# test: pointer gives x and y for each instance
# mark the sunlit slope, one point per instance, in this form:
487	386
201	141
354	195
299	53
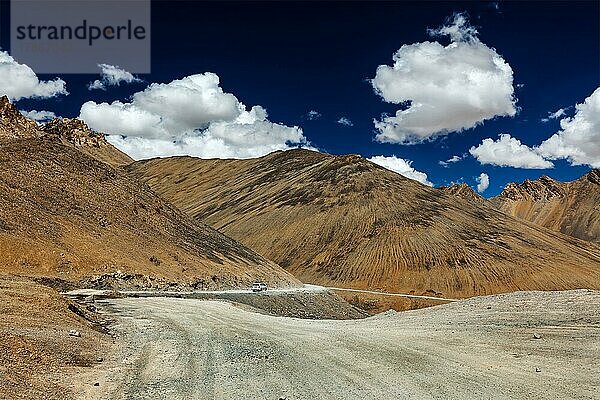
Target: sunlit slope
66	214
572	208
344	221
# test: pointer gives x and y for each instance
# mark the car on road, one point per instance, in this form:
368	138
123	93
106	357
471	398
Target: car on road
259	287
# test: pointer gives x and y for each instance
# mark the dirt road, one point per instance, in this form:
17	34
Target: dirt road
542	345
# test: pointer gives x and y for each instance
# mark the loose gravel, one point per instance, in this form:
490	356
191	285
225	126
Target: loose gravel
526	345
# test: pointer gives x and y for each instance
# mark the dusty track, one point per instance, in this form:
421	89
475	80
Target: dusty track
478	348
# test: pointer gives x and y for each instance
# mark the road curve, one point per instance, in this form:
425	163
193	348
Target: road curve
480	348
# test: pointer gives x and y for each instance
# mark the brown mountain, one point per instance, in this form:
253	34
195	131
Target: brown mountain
77	133
572	208
344	221
13	124
464	191
64	213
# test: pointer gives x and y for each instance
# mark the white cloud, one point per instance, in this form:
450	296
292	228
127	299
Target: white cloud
445	88
189	116
345	121
18	81
508	152
451	160
483	182
112	76
555	115
402	167
39	116
578	140
312	115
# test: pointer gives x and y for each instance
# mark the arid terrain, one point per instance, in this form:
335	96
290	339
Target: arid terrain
163	308
542	345
68	214
568	207
464	191
344	221
46	340
572	208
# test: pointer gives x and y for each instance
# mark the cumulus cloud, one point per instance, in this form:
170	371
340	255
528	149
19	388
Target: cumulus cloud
39	116
112	76
451	160
189	116
402	167
483	182
345	121
508	152
18	81
312	115
578	140
443	89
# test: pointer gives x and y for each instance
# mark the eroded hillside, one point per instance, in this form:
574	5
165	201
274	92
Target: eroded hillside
67	214
572	208
344	221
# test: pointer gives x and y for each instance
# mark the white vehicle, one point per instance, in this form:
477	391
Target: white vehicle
259	287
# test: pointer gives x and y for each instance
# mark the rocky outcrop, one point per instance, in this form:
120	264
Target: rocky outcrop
70	131
463	191
593	176
572	208
13	124
543	188
75	132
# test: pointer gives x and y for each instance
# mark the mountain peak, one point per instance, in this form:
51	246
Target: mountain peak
593	176
567	207
4	103
75	131
13	124
543	188
464	191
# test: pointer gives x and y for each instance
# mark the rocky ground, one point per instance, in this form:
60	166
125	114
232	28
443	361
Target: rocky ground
378	303
45	339
50	343
542	345
310	303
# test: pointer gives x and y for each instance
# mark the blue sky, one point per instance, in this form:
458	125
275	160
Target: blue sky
291	58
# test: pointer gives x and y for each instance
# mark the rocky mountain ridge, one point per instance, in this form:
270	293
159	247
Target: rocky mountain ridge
464	191
13	124
70	131
68	211
572	207
543	188
344	221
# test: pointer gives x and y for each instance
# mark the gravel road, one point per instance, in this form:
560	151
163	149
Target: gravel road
528	345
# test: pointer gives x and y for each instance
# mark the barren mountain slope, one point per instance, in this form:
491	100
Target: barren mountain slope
71	131
464	191
77	133
38	356
344	221
13	124
66	214
572	208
